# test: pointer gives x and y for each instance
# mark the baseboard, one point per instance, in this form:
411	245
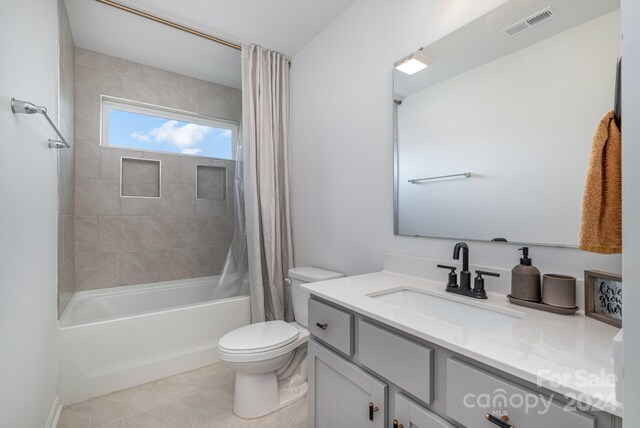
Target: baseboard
54	413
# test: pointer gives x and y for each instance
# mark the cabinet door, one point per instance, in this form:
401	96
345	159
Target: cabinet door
408	414
341	394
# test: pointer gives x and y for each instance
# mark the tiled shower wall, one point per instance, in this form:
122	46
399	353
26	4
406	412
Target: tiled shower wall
66	164
129	240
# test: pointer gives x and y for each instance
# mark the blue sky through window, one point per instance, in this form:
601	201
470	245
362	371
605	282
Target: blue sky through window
145	132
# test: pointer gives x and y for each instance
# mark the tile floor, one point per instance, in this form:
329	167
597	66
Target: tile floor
196	399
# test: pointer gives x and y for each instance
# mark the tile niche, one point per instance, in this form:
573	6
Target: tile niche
140	178
211	183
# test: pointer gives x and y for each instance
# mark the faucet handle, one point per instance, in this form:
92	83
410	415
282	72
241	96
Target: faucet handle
482	272
453	278
478	283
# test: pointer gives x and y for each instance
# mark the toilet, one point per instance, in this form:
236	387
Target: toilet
270	358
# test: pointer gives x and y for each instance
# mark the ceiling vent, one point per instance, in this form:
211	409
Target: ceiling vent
524	25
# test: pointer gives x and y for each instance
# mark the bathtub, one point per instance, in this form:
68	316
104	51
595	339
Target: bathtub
115	338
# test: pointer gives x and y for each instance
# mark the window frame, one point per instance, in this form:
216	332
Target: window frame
136	107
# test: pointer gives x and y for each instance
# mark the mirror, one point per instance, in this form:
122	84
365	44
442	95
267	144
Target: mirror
492	139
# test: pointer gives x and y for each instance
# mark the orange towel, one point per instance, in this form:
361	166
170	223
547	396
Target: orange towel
601	227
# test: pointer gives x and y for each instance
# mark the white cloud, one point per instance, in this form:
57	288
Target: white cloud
185	136
192	151
140	137
225	133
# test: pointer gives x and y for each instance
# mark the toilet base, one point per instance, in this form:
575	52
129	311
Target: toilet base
258	394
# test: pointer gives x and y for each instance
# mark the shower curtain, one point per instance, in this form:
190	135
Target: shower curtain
265	125
234	276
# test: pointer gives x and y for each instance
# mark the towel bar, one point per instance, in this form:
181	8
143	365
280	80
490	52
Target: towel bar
417	180
18	106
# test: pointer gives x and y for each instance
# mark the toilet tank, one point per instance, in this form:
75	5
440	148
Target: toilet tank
302	275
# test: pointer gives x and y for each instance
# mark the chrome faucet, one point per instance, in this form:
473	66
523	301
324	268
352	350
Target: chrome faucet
464	289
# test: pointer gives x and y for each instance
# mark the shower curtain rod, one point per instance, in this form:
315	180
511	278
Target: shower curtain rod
169	23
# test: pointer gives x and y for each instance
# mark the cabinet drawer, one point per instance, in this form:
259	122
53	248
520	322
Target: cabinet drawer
472	392
403	362
412	415
332	326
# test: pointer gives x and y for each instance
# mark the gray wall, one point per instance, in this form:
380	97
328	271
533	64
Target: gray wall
125	240
66	161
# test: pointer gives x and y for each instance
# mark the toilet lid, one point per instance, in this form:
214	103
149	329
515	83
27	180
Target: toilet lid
259	337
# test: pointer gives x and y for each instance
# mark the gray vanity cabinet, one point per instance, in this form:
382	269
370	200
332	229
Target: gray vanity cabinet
408	414
356	362
341	394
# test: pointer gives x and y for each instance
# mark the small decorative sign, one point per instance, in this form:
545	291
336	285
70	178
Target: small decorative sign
603	296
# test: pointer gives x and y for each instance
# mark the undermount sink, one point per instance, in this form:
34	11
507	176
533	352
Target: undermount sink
467	315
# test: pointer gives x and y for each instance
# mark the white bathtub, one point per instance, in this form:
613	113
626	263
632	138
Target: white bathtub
116	338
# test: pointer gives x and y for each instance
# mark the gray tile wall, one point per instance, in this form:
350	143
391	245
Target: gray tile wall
129	240
66	163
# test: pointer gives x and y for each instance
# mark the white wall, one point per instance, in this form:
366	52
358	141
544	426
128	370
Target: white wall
522	125
342	130
631	203
28	224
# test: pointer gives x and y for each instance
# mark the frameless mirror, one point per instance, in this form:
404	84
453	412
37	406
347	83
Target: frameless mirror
493	138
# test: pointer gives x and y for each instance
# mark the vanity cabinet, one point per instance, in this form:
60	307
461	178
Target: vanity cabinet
364	373
341	394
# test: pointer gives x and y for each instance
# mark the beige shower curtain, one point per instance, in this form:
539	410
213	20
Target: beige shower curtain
265	125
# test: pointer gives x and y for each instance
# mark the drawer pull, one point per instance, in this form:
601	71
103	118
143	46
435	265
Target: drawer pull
372	410
322	326
502	422
397	424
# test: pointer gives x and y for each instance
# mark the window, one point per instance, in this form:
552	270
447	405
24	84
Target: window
146	127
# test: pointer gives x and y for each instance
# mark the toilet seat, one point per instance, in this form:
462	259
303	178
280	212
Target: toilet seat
297	336
259	337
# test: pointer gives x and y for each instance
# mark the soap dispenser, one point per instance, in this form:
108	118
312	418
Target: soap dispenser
525	279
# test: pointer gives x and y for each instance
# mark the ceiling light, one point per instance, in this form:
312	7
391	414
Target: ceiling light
412	63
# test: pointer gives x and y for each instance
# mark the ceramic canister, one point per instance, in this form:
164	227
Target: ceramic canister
559	290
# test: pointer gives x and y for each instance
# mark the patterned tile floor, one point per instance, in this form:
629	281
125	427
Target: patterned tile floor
196	399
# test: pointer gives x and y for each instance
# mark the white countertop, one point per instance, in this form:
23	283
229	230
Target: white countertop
569	355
